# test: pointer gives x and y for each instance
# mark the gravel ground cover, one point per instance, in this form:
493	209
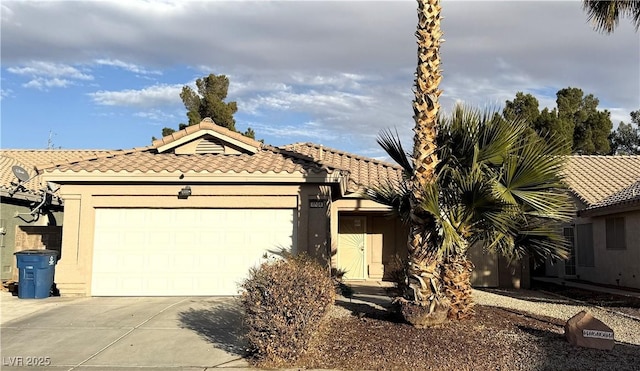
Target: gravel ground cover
540	304
626	304
512	330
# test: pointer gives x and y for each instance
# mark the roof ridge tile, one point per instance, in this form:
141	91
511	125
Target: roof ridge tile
206	124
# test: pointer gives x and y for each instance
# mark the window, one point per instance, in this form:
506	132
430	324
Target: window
584	246
570	264
615	234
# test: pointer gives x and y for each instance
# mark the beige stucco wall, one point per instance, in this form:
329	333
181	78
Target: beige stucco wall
316	231
485	272
614	267
73	272
491	270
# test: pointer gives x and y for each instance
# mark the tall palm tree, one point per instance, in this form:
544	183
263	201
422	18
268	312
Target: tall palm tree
494	185
605	15
423	298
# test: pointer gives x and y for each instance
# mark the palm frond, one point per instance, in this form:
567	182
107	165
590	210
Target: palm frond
396	196
496	184
390	142
497	138
605	15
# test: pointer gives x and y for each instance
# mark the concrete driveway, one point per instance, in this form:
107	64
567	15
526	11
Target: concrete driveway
186	333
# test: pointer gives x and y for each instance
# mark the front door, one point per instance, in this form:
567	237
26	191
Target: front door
352	238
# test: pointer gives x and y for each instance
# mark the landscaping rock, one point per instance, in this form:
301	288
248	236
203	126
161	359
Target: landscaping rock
584	330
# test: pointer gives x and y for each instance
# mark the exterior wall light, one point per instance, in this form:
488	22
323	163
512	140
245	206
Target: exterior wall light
184	193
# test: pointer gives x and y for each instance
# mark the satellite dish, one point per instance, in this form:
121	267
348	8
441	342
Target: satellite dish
20	173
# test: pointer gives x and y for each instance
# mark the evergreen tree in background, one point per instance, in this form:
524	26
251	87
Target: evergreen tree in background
626	139
575	120
579	115
208	101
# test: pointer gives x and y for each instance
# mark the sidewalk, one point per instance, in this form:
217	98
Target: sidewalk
586	286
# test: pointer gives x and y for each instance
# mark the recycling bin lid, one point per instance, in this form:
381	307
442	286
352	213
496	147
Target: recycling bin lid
36	252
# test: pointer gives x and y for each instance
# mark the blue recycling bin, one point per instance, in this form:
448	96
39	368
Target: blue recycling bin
37	268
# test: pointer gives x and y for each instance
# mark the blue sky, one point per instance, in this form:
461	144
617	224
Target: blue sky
107	75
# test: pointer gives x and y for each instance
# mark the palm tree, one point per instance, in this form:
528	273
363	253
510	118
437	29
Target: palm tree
423	298
605	15
495	185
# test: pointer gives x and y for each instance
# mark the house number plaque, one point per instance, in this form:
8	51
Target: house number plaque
316	204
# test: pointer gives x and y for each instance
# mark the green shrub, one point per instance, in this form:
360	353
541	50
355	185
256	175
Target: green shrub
284	302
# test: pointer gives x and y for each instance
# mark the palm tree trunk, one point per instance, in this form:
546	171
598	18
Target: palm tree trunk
456	279
424	302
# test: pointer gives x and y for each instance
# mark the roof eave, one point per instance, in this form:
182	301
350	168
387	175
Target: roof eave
27	197
620	207
67	177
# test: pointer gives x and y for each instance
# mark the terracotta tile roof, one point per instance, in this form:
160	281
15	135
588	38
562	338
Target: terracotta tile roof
303	158
595	178
627	195
364	171
29	159
147	160
206	124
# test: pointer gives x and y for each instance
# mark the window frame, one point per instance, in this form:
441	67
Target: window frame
584	245
615	233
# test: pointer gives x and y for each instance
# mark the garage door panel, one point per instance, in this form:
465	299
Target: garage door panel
170	252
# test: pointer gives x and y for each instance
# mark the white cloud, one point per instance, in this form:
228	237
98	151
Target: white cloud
152	96
314	93
309	130
42	83
156	115
127	66
311	101
619	114
340	80
238	86
333	113
4	93
45	75
6	13
50	70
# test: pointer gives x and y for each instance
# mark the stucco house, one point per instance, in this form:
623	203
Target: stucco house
191	213
606	230
25	221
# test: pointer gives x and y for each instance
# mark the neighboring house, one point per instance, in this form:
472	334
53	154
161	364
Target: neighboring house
190	214
606	230
23	227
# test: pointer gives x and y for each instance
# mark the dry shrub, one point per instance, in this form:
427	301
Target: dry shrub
284	302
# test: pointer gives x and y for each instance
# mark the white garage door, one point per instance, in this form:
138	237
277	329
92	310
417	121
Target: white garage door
176	252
